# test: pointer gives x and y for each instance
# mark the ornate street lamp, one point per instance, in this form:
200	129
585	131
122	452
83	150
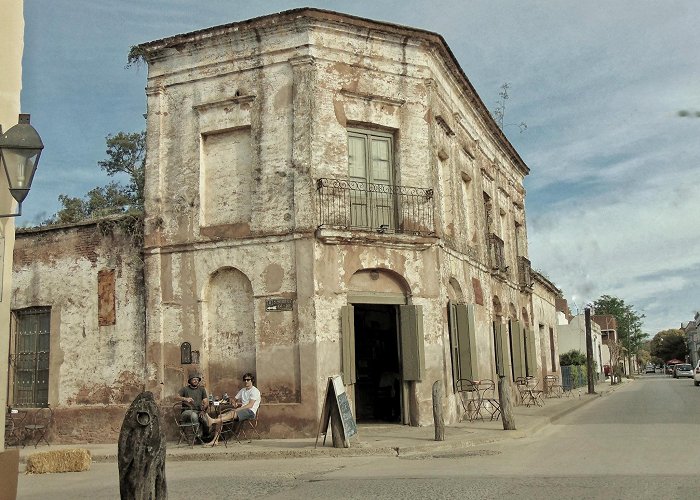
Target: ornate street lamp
20	149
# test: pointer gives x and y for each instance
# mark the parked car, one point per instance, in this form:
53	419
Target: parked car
650	368
683	370
696	375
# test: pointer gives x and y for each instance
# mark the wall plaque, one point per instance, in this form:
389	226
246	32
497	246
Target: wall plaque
278	305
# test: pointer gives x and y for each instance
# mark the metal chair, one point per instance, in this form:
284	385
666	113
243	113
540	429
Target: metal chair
487	399
188	431
251	425
470	398
38	423
14	427
229	428
529	394
553	389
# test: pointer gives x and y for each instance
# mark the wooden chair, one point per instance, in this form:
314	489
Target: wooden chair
187	430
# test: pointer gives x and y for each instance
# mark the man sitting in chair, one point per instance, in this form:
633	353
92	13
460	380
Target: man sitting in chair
245	405
194	397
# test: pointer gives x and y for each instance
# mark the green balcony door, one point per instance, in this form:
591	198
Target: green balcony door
370	170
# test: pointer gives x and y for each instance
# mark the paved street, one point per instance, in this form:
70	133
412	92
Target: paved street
633	443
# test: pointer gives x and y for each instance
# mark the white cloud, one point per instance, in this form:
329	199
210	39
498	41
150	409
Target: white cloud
612	193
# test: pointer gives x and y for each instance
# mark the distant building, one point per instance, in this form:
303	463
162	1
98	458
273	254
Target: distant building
572	336
692	333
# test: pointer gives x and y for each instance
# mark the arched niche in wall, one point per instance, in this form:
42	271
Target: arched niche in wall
526	316
185	353
497	309
512	312
454	292
230	340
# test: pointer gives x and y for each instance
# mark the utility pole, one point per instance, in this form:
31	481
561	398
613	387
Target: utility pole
589	351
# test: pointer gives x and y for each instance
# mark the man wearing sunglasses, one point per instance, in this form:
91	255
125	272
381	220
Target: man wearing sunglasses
249	398
245	406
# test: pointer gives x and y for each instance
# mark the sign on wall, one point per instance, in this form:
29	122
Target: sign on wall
278	304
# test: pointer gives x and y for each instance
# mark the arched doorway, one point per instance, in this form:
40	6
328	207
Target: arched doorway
381	354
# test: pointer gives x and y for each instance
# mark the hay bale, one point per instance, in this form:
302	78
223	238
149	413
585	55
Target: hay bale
76	460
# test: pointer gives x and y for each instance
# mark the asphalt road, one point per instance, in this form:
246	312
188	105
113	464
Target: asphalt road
638	442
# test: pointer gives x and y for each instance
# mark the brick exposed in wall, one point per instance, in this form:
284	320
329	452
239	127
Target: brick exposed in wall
105	303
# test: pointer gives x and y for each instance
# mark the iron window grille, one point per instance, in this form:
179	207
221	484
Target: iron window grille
29	362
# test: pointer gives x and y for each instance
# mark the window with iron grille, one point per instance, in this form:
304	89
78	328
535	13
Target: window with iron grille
29	361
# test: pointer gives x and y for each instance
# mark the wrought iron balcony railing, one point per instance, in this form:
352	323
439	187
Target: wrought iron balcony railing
366	206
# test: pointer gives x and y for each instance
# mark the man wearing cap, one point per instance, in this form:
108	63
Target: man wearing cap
194	397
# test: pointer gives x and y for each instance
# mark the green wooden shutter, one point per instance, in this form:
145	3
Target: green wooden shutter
502	349
517	334
347	334
466	341
531	351
412	353
454	347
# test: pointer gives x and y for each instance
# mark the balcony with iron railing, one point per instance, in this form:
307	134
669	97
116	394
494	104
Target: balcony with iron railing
377	208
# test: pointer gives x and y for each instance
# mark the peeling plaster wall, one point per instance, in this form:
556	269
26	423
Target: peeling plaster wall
544	313
91	367
296	83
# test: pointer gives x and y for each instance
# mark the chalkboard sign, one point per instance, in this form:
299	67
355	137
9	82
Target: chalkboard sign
337	404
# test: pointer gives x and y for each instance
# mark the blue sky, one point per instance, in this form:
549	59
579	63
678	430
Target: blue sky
612	197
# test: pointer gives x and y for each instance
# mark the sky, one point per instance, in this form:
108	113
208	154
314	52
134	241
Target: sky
612	196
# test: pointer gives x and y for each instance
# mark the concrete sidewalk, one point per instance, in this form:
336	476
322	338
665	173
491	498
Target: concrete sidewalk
372	439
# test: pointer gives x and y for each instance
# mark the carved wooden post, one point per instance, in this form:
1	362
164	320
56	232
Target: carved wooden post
506	405
438	419
141	453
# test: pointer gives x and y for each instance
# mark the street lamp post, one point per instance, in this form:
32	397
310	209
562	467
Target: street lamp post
20	149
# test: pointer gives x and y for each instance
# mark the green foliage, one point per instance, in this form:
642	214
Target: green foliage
572	358
629	321
126	154
137	55
669	344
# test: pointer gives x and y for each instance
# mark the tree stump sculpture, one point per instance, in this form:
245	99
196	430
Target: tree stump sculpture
141	455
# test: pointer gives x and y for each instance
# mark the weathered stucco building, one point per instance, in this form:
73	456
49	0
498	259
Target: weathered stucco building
77	339
319	188
327	194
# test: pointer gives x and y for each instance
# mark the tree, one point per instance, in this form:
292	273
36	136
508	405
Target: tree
126	154
669	344
572	358
629	322
615	357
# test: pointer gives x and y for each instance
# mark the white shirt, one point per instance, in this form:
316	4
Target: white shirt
245	395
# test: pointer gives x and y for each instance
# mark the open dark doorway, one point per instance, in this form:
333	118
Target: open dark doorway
378	386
